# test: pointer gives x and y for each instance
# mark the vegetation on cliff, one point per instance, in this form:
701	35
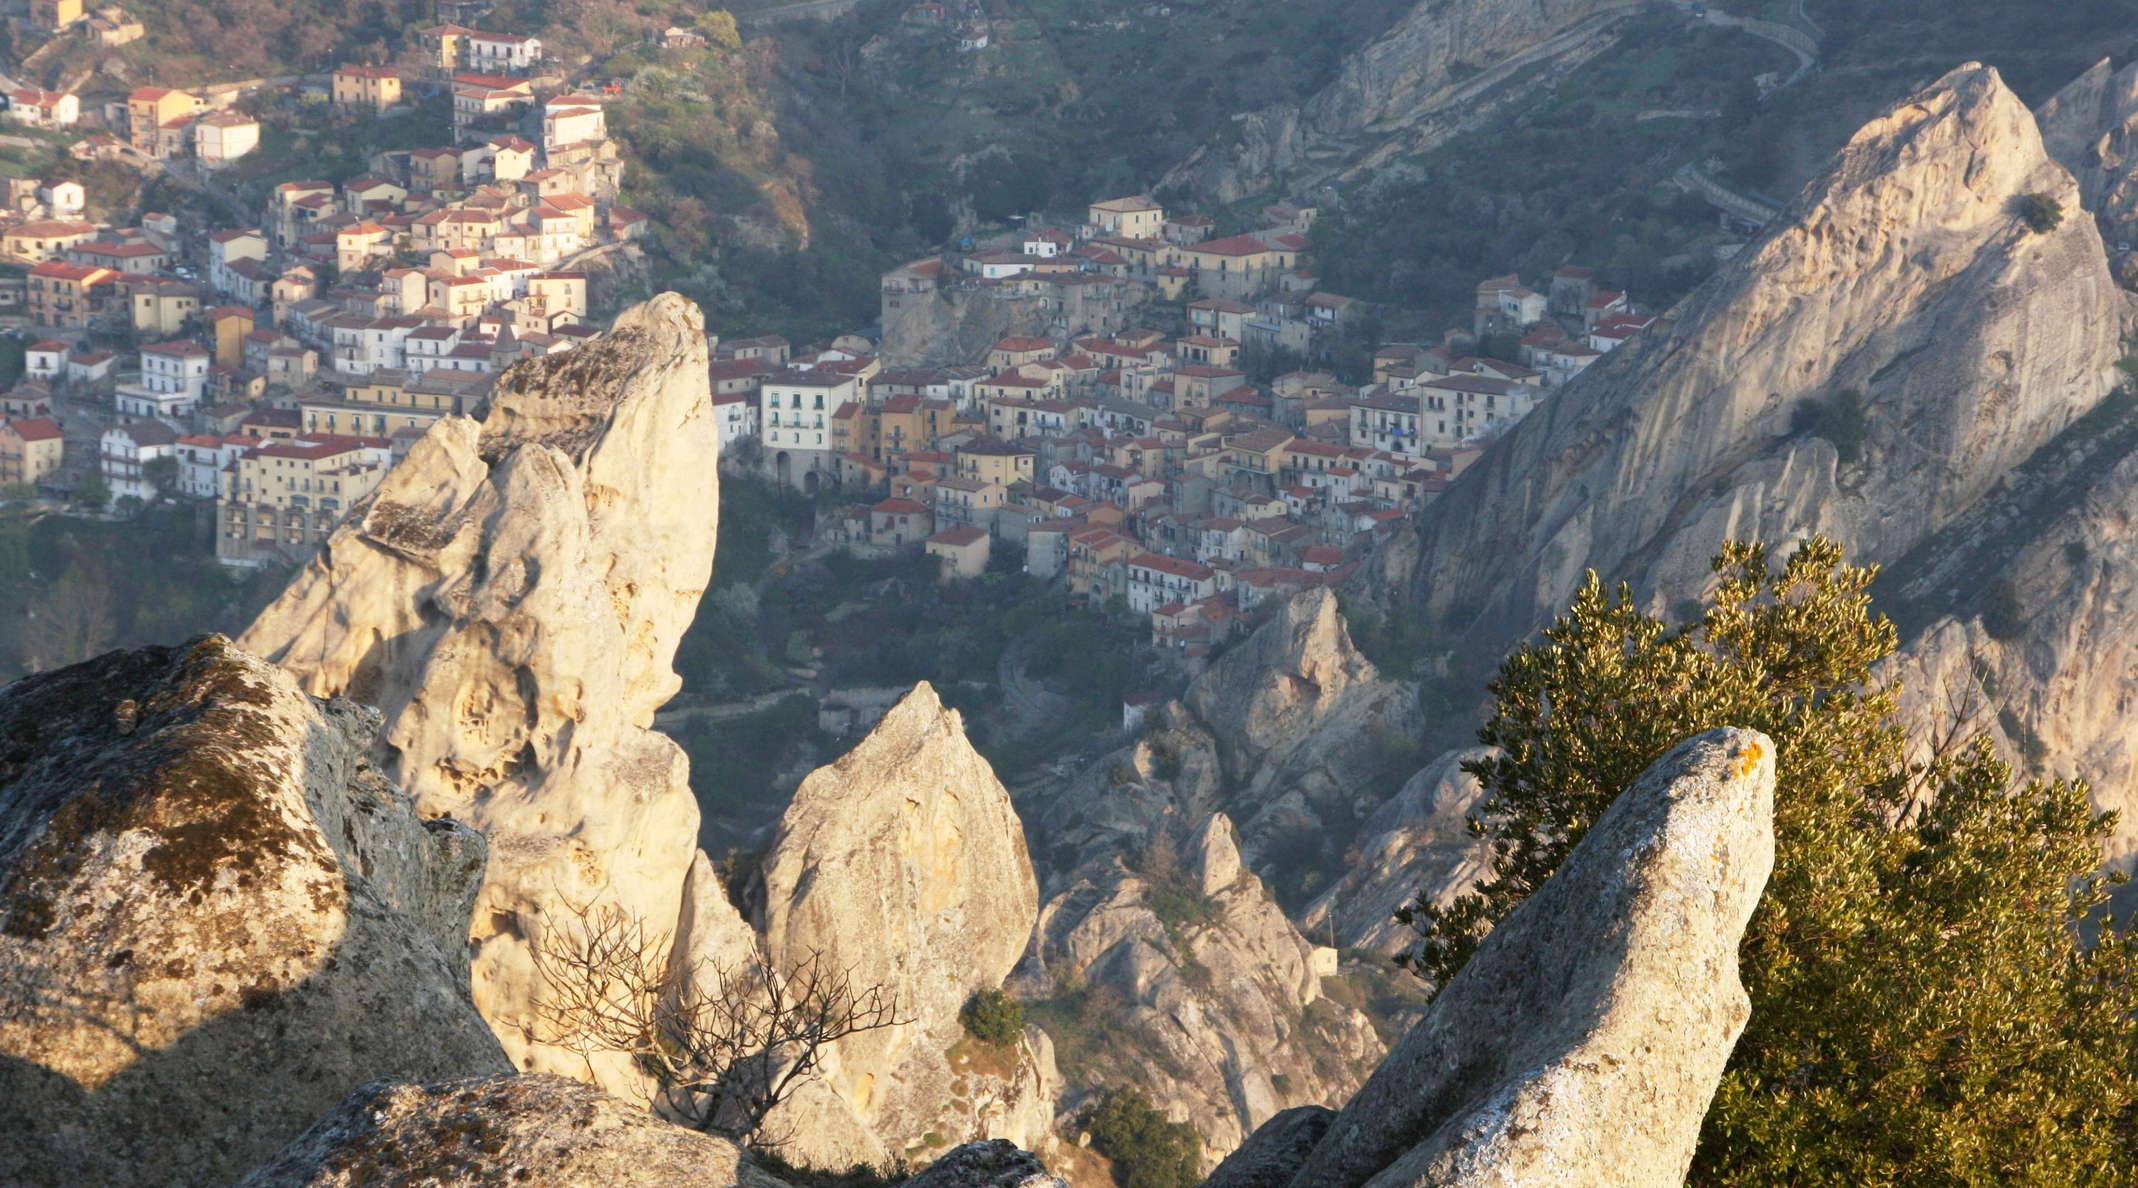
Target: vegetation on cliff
1923	1003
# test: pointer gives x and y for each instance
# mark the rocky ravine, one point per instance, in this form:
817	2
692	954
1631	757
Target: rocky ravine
216	918
1160	948
511	599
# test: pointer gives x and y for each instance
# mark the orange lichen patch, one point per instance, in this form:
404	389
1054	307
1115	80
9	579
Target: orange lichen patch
1749	758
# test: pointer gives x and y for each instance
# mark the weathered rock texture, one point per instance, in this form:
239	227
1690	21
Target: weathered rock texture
2018	617
511	598
1583	1043
215	918
2091	126
1444	67
1420	840
904	862
538	1131
1273	1154
1209	1001
1286	734
996	1163
1903	273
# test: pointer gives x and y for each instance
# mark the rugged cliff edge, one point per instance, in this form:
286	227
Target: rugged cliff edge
216	917
1443	66
1903	275
1584	1041
511	598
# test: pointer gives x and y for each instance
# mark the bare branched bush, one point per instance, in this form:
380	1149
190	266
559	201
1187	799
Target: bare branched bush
723	1044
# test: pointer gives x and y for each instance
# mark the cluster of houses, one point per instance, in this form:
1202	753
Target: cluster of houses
1145	469
281	369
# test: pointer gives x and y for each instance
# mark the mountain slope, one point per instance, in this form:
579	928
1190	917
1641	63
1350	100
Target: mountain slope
1903	275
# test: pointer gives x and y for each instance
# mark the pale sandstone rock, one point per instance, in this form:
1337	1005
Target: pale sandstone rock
904	862
1904	273
511	597
1216	855
2091	126
1584	1041
215	918
539	1131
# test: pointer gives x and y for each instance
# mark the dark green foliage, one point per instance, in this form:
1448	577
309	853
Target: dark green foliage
2042	213
861	1175
993	1017
1841	420
1922	1010
2003	616
1147	1150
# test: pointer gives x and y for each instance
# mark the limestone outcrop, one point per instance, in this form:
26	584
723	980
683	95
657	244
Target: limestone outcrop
216	918
1442	67
511	598
1209	1001
1583	1042
1420	840
904	862
536	1131
1904	275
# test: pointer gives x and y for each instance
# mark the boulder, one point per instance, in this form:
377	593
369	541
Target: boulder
533	1131
995	1163
216	917
1583	1042
511	597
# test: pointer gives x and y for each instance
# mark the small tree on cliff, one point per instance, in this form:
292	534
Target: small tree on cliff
1923	1006
724	1045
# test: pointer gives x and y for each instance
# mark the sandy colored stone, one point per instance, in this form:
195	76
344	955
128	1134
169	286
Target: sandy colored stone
904	862
216	918
511	598
1583	1042
532	1131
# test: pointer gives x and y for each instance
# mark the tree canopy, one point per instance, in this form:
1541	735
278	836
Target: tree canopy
1926	1004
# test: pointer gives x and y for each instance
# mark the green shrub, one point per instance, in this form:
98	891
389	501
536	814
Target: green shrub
1842	420
2042	213
1147	1150
993	1017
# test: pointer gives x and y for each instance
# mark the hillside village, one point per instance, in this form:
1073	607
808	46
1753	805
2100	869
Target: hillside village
1149	471
1133	439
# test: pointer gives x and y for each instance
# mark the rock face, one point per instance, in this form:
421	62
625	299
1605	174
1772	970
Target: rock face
1445	65
1274	1152
904	862
1211	1003
1583	1042
1419	840
514	1130
2091	127
215	918
1903	274
1301	722
2020	618
511	598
